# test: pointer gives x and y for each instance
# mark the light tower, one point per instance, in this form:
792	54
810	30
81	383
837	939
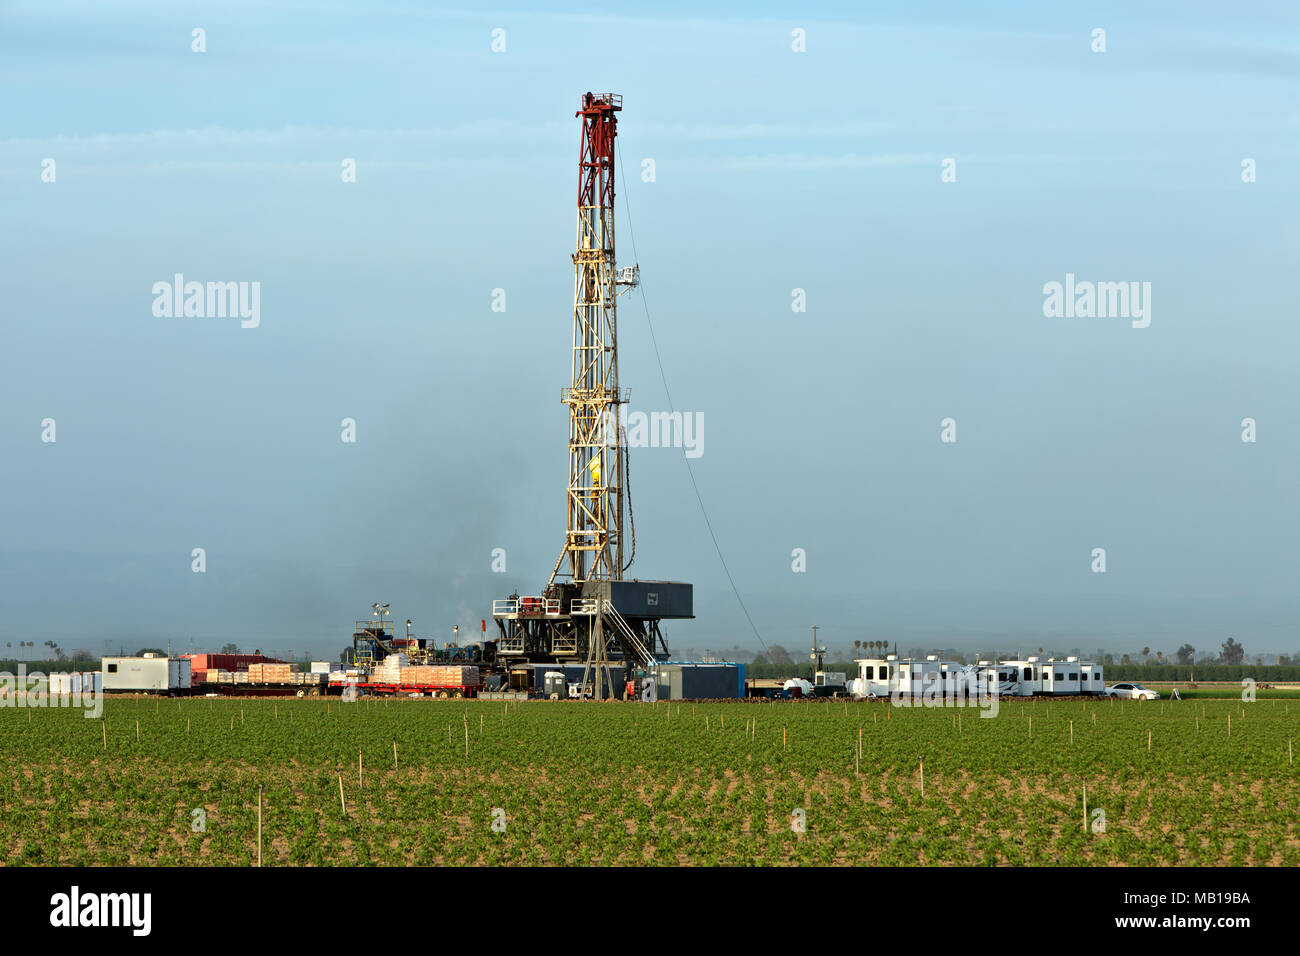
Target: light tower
593	544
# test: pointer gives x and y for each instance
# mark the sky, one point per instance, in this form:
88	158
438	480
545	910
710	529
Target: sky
920	171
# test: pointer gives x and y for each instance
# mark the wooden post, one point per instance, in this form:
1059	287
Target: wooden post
466	738
1085	808
922	779
259	824
359	783
394	753
1031	725
783	739
1148	740
187	725
342	802
137	729
1230	725
1288	752
1072	733
104	726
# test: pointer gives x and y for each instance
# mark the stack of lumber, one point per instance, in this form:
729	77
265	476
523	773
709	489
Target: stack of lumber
269	673
422	674
453	675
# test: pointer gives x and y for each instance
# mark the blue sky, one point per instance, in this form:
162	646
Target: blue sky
775	170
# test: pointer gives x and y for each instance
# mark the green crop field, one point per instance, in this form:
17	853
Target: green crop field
630	783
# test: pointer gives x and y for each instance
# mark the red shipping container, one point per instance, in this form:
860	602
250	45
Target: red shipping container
228	662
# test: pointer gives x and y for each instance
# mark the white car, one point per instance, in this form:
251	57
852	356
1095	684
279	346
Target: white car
1131	692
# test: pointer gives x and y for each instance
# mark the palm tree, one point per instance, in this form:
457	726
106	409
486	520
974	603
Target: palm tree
1146	652
857	648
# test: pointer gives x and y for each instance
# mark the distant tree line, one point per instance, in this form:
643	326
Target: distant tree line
1202	672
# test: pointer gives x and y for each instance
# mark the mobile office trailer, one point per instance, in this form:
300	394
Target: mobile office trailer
1060	677
148	673
698	680
1091	679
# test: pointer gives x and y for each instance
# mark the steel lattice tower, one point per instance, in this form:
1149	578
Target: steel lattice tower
593	546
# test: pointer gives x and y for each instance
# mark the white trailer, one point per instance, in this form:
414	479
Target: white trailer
147	673
76	682
1026	676
884	677
1060	678
1091	680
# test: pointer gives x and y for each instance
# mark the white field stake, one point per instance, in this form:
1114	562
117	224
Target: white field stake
922	779
343	803
259	825
1085	808
394	754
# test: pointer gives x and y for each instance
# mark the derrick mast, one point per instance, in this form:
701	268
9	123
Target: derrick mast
593	545
588	614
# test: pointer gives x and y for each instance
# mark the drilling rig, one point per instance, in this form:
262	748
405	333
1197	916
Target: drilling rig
588	612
